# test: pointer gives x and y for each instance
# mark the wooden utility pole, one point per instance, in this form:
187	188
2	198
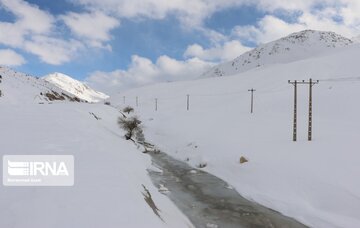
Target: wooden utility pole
156	104
295	109
311	83
187	102
252	99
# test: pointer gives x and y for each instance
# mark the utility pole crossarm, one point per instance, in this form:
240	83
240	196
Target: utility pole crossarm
304	82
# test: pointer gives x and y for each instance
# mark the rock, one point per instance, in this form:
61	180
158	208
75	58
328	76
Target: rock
243	160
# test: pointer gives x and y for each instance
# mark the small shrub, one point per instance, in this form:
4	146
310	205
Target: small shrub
107	103
131	125
128	109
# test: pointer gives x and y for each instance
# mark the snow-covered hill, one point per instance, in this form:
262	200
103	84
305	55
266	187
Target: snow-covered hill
20	88
296	46
75	87
315	182
110	172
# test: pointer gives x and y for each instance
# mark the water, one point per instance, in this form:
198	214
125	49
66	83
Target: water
208	201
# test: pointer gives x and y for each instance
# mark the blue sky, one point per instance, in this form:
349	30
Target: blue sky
122	43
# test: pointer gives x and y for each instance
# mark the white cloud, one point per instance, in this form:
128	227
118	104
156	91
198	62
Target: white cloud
340	16
303	5
268	29
37	32
33	32
143	71
9	57
271	28
94	27
226	52
191	13
11	35
29	20
314	14
30	17
51	50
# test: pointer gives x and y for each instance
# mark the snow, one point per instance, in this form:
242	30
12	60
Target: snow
356	39
294	47
19	88
75	87
109	171
314	182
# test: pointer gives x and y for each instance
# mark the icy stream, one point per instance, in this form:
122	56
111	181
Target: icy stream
208	201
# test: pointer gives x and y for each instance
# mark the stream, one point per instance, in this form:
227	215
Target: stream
208	201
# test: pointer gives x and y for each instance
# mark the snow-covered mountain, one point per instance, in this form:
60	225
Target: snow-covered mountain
296	46
75	87
20	88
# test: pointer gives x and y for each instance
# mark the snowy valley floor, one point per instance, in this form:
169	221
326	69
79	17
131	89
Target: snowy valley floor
314	182
109	171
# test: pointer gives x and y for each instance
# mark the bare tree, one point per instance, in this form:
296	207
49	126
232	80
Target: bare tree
131	125
128	109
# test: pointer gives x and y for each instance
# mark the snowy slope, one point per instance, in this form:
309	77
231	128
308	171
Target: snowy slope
315	182
296	46
20	88
75	87
109	171
356	39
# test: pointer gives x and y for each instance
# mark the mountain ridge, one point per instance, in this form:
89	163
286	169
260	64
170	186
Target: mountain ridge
294	47
17	87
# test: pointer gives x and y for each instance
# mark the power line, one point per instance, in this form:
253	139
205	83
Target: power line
218	94
341	79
